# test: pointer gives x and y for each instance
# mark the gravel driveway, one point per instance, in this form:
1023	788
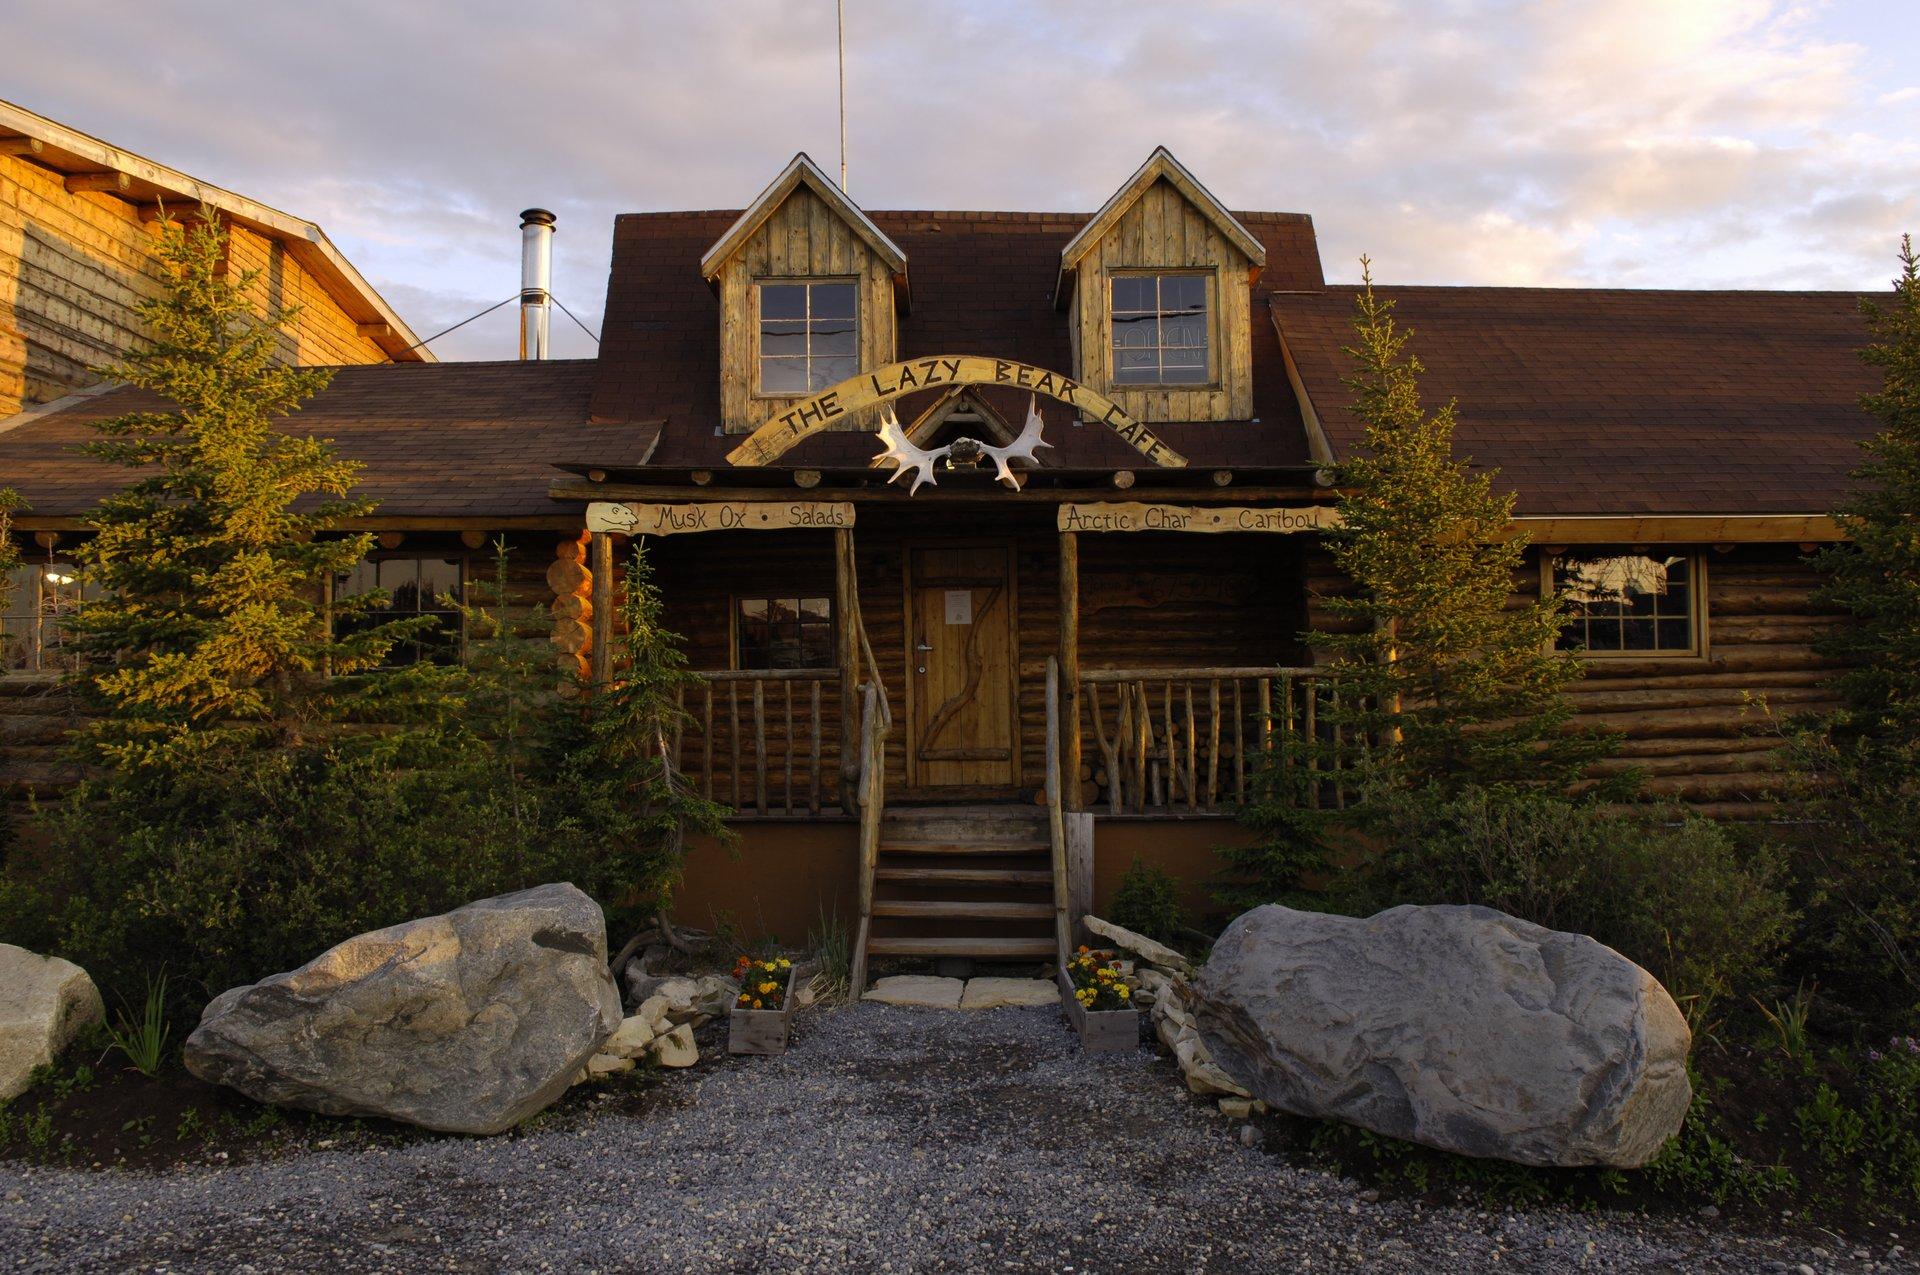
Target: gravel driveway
887	1139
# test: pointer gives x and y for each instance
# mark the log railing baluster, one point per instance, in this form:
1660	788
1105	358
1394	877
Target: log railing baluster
706	744
786	744
1192	780
1213	743
733	711
1310	730
813	759
1239	747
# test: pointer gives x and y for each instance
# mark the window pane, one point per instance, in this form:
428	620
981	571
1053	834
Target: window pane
1603	635
833	300
1133	293
1195	374
439	582
827	371
1674	635
1183	292
783	376
1636	635
816	609
783	301
832	337
783	338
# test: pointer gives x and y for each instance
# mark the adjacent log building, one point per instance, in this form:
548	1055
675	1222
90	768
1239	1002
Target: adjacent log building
956	676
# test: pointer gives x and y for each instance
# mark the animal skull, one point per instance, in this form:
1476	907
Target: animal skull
905	456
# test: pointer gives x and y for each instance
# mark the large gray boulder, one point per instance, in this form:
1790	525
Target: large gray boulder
44	1003
1459	1027
466	1023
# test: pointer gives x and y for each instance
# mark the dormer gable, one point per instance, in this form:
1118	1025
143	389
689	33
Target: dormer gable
1157	286
810	292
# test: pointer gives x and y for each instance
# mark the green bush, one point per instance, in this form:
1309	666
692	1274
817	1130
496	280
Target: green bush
1667	889
1147	901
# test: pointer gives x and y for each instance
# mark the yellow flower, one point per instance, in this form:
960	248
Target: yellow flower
1125	991
785	964
744	998
768	987
758	1005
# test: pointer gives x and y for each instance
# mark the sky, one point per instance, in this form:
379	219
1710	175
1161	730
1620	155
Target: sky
1619	143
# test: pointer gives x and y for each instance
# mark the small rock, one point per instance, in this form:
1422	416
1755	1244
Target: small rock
654	1009
607	1065
1370	1195
1250	1135
1139	944
1202	1076
1236	1108
995	993
1709	1212
676	1048
630	1039
918	991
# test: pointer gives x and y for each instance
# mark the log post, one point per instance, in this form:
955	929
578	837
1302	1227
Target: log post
602	650
846	615
1070	668
572	584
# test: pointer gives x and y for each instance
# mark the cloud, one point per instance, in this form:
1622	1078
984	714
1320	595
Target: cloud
1621	142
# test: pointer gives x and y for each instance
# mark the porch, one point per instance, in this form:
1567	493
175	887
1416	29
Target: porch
1017	676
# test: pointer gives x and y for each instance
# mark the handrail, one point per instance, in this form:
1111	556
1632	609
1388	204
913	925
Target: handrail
765	745
1056	818
876	724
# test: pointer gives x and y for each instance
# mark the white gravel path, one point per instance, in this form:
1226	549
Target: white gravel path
887	1139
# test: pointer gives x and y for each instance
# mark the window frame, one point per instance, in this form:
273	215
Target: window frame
1698	651
1210	277
759	282
734	599
464	563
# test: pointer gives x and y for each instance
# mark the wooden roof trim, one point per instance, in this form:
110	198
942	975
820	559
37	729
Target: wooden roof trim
1635	529
1160	164
801	171
67	150
1319	445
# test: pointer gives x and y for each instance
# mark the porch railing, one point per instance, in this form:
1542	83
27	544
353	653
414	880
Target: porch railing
756	739
1192	740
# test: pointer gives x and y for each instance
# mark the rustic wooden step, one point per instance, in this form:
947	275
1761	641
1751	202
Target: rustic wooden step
947	907
1003	948
963	847
968	876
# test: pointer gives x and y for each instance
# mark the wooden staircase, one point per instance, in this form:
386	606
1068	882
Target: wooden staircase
970	881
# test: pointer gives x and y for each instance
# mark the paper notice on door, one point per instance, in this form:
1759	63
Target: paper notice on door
959	606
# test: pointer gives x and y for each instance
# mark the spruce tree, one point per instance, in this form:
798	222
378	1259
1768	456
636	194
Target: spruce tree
627	792
207	629
1459	686
9	551
1861	854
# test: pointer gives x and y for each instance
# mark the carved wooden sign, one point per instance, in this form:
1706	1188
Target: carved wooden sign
882	385
722	515
1134	516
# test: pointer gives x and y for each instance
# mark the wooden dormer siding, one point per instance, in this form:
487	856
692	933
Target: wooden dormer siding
801	227
1164	220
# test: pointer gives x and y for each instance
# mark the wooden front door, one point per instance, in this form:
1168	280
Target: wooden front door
961	659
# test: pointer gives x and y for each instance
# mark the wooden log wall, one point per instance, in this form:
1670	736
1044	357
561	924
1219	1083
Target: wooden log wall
74	266
36	713
1704	730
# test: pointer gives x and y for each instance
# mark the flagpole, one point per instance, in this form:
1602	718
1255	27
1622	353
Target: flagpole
840	26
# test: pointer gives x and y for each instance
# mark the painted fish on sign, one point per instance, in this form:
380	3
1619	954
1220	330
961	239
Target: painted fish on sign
725	515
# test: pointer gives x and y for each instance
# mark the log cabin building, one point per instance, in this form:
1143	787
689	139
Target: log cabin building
955	677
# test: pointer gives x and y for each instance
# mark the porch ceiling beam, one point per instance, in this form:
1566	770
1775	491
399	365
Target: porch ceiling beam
574	490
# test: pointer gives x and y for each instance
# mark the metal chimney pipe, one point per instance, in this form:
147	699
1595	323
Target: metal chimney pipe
536	277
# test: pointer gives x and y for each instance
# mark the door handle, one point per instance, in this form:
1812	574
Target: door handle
923	646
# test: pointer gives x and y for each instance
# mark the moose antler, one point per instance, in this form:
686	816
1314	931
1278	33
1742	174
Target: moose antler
904	455
1021	447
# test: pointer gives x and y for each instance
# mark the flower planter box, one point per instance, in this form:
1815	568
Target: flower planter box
762	1031
1102	1031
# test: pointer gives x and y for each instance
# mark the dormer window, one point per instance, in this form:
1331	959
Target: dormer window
809	335
1160	329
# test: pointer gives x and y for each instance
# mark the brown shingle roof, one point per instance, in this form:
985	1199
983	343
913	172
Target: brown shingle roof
1609	401
437	439
982	284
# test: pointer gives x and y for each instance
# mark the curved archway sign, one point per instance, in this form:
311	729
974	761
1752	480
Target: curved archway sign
882	385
